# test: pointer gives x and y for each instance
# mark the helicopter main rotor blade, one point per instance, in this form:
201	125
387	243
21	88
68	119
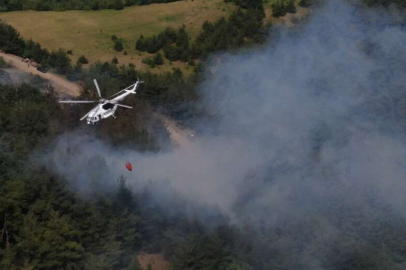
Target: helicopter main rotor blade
84	116
124	106
76	101
97	87
115	94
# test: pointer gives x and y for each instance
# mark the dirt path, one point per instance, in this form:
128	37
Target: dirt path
157	261
60	84
182	137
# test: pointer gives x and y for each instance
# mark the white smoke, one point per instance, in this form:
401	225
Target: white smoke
313	118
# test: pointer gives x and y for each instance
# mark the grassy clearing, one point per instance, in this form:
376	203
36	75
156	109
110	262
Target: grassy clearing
89	32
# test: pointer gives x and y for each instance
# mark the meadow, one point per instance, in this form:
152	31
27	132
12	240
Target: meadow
89	33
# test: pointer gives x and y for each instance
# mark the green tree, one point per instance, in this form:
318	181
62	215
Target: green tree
118	5
140	44
171	53
151	45
171	34
83	60
60	60
280	9
10	40
118	45
158	59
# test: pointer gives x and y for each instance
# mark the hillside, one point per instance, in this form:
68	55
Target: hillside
89	32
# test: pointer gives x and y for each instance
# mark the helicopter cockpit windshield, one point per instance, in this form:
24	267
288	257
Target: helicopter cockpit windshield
108	106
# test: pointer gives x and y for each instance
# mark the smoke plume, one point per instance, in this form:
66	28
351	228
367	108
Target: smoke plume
306	126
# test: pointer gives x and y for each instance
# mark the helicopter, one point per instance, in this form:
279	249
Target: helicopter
106	107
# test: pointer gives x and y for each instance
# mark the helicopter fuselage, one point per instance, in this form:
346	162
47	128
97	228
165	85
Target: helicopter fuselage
102	111
107	108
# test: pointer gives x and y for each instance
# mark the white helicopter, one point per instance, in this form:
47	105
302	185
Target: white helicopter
106	107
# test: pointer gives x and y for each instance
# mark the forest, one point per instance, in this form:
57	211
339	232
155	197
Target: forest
47	224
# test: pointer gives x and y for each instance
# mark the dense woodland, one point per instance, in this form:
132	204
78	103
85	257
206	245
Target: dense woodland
45	224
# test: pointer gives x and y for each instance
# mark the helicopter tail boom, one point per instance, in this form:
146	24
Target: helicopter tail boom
132	90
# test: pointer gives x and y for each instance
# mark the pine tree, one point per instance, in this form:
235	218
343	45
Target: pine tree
83	60
171	53
151	45
118	5
158	59
171	34
118	45
140	44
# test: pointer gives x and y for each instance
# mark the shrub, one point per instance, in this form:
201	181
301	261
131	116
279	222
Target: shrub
149	61
158	59
83	60
118	45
